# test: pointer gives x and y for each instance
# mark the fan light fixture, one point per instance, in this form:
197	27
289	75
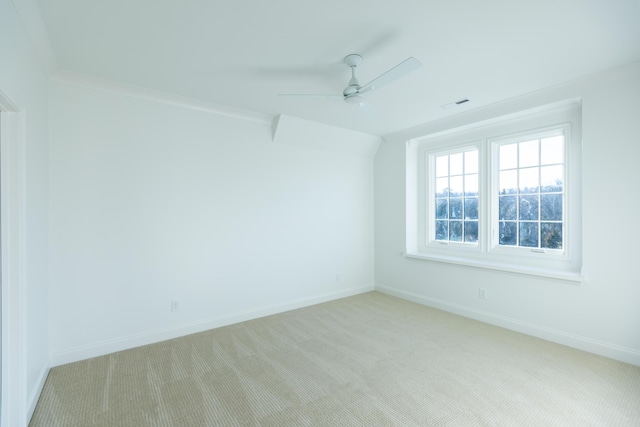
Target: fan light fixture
354	99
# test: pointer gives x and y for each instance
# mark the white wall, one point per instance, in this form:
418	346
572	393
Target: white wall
153	202
600	315
23	82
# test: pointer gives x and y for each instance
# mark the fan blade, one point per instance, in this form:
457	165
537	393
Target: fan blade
310	95
395	73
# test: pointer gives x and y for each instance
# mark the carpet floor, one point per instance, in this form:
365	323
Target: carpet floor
367	360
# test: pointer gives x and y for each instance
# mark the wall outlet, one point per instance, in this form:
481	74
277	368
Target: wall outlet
175	306
337	277
482	293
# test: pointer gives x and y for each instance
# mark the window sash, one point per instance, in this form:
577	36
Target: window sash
497	223
443	201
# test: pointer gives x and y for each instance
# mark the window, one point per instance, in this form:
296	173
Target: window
502	194
456	197
530	191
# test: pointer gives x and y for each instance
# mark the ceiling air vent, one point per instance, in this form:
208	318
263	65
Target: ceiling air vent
454	104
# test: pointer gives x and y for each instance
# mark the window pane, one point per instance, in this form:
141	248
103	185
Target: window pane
470	231
455	164
508	156
529	180
507	207
509	182
455	208
471	208
442	208
528	153
529	207
455	231
471	162
455	183
442	166
508	233
551	235
551	178
471	185
529	234
442	187
551	207
442	230
552	150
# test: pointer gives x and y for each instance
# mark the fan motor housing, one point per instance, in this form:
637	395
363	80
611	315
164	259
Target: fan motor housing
353	60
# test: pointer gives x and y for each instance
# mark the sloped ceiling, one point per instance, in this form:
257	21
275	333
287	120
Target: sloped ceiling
243	53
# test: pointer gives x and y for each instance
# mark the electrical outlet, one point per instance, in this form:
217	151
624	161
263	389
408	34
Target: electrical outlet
482	293
337	277
175	306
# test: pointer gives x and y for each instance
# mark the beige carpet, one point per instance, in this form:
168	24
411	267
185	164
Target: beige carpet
368	360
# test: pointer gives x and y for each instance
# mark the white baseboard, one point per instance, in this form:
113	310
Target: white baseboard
124	343
612	351
34	395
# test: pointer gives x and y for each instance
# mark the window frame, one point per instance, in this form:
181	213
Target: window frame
431	191
487	136
495	143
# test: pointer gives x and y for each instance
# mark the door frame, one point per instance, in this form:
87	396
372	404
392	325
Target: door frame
13	400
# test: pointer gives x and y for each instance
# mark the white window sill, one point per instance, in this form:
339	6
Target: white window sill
572	277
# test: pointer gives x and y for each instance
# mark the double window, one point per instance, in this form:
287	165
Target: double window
503	194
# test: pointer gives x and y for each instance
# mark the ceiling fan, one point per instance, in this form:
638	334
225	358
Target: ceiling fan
354	92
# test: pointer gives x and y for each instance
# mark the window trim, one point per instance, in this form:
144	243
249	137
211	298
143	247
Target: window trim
486	136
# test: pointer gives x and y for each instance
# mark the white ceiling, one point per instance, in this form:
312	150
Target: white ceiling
243	53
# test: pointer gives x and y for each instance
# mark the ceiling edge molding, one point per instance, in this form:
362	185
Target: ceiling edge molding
106	85
33	23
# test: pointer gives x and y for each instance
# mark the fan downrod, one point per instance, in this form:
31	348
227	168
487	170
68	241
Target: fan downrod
350	93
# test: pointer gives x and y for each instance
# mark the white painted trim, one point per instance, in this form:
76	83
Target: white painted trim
14	376
567	276
33	23
111	86
591	345
106	347
32	401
